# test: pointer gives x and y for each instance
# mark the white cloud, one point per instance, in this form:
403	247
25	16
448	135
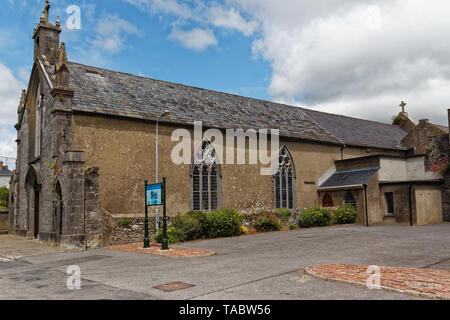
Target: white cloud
357	57
172	7
202	13
230	18
195	39
7	143
10	91
111	33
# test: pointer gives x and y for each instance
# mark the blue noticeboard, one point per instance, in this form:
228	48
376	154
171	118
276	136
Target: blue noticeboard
154	192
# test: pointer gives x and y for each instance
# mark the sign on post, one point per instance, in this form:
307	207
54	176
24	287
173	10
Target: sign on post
154	194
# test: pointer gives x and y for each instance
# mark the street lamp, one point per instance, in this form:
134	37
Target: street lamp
164	114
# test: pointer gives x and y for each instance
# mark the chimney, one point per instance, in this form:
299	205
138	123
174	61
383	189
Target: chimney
46	37
423	122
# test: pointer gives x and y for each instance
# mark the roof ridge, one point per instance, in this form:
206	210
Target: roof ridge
193	87
344	116
239	96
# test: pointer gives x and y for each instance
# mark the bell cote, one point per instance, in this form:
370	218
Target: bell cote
46	37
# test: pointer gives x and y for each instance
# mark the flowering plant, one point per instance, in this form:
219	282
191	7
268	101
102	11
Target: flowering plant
441	165
244	230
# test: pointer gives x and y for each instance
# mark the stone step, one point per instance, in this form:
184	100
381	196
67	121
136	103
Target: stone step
389	219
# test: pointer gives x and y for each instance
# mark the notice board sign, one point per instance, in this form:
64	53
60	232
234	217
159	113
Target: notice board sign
154	194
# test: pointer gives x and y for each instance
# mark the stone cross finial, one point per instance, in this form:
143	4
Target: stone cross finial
46	10
403	105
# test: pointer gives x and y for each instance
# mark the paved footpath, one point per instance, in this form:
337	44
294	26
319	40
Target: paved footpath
261	266
428	283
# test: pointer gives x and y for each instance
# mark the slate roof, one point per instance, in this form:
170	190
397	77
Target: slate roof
350	177
443	128
5	172
359	132
119	94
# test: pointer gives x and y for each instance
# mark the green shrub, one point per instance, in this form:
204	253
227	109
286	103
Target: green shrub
173	236
292	226
268	222
4	197
125	222
316	216
200	216
223	223
346	214
284	214
189	225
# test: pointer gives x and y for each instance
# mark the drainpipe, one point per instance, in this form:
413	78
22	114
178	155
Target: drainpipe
365	202
410	206
342	151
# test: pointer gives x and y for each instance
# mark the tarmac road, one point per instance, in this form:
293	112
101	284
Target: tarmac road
261	267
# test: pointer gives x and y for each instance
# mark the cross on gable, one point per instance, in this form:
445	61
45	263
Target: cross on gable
47	9
403	105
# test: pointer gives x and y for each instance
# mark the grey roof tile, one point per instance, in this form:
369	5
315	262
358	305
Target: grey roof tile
119	94
350	177
5	172
359	132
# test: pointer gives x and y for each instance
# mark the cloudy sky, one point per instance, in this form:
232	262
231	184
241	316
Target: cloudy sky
353	57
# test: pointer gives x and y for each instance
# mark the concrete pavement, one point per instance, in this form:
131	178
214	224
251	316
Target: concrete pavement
262	266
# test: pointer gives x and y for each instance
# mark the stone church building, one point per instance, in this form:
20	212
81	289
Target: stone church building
86	143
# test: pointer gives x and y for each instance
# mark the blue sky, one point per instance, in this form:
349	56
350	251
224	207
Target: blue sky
354	57
146	50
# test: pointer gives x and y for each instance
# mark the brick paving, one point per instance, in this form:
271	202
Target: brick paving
156	249
426	283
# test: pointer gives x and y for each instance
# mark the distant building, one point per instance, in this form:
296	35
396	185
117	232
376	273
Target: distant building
5	175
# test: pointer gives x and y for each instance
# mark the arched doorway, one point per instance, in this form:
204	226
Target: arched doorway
32	187
327	201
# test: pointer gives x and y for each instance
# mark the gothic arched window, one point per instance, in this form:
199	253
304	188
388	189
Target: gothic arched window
205	179
350	199
284	181
327	201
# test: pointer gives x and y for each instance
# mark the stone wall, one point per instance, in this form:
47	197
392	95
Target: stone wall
446	188
131	229
423	138
124	149
437	150
73	197
91	207
4	221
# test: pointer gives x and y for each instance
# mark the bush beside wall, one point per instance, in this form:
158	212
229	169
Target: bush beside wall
316	216
199	225
268	222
345	215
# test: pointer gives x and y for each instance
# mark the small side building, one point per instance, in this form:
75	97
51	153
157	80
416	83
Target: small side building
5	175
385	189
